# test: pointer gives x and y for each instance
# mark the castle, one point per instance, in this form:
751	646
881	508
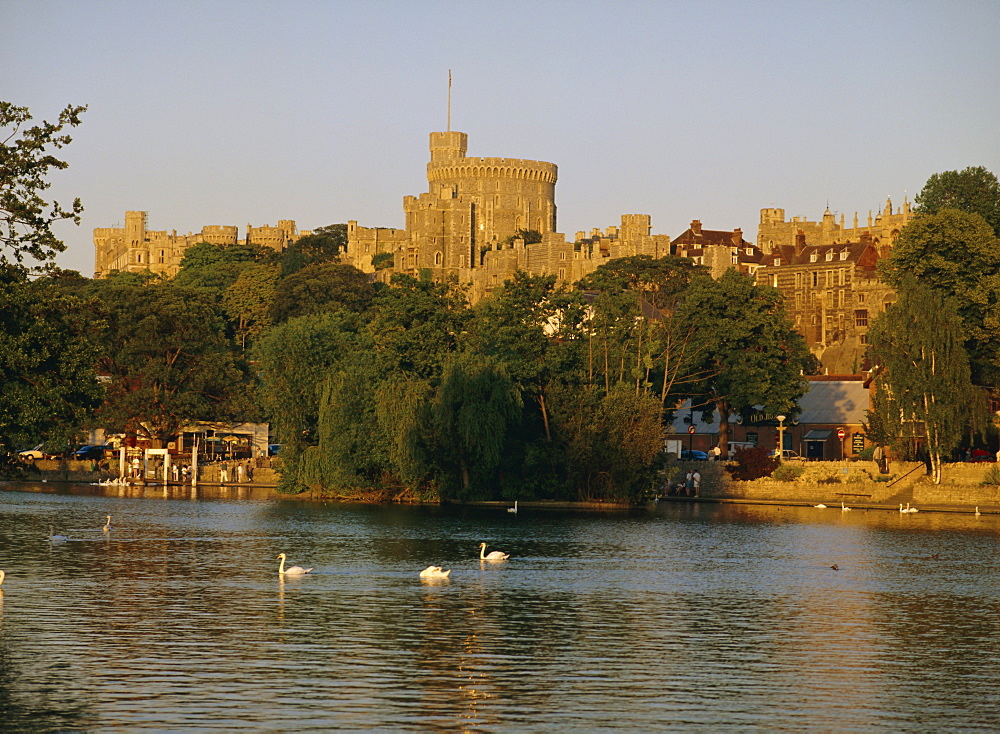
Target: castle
482	219
135	248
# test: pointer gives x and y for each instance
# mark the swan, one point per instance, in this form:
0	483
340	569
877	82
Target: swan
56	538
821	506
107	525
844	508
492	556
514	508
978	513
2	574
910	509
434	572
291	570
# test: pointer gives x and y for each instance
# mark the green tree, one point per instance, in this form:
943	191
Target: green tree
749	353
973	190
322	287
25	164
294	360
48	387
214	268
923	370
168	360
323	245
958	255
249	300
474	409
414	325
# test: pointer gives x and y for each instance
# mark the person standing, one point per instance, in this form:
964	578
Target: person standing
239	473
689	483
696	482
223	473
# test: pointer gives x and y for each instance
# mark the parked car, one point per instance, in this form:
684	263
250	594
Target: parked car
694	455
786	454
978	456
91	452
273	449
32	454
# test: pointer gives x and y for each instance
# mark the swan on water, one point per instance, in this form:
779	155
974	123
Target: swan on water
820	506
56	538
514	508
107	525
910	509
844	508
291	570
2	574
978	513
434	572
493	555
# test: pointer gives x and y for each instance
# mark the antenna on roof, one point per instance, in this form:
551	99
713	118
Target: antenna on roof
449	100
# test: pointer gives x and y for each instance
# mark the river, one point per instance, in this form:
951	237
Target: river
684	617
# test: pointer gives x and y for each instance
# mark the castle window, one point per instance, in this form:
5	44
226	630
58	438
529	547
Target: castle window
861	298
798	280
842	276
777	263
843	254
438	257
163	258
562	255
138	257
813	257
829	256
864	338
861	317
562	273
815	279
774	280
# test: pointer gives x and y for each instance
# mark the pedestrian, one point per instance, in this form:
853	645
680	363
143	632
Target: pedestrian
696	480
135	467
176	470
689	483
223	473
249	471
239	472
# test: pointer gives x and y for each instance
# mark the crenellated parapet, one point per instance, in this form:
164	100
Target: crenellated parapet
451	170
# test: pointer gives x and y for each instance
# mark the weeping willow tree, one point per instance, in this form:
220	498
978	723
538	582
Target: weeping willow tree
475	408
924	376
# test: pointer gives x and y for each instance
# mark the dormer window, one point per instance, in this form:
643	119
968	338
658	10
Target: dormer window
813	257
843	254
777	262
829	256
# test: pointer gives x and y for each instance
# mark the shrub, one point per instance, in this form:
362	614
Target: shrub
992	476
788	472
866	454
752	463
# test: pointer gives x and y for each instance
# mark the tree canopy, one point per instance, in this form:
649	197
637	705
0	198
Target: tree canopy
26	162
973	190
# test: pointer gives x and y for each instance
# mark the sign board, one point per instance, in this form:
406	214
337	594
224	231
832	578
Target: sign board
691	429
841	433
857	443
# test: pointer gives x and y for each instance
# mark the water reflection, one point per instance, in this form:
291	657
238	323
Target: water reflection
691	616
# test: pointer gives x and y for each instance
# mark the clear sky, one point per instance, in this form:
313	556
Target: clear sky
236	112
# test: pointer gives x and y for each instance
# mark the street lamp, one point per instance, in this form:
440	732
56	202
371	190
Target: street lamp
781	437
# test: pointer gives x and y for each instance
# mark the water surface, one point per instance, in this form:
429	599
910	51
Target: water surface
685	617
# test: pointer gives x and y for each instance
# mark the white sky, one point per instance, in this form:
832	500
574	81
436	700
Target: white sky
230	112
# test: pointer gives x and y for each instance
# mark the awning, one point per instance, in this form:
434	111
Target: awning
818	435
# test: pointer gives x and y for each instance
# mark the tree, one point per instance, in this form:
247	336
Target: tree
958	255
322	287
215	268
923	370
249	300
48	387
974	190
168	361
25	165
749	353
323	245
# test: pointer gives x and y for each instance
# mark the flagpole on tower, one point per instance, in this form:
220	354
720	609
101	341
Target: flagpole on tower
449	100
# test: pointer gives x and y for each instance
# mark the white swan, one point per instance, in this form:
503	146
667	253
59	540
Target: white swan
291	570
2	574
492	556
56	538
514	508
978	513
909	509
820	506
107	525
434	572
844	508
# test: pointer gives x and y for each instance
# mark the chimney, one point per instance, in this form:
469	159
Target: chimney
738	237
800	242
696	226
